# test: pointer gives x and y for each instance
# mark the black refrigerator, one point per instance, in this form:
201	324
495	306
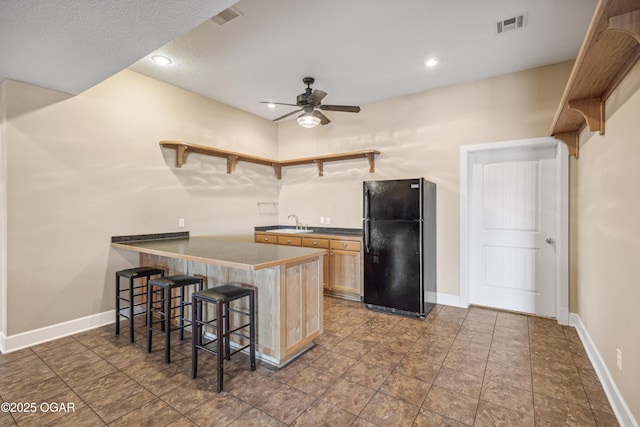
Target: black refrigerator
399	226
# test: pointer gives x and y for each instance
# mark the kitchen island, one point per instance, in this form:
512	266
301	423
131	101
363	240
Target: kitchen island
287	282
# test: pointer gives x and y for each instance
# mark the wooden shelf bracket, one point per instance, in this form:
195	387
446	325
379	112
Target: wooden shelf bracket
182	148
627	23
572	142
232	161
181	151
609	51
278	170
592	109
372	162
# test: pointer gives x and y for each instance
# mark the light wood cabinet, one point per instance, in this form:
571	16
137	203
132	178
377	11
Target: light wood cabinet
345	270
342	264
312	242
266	238
290	240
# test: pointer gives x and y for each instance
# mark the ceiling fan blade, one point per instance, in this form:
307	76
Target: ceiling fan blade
277	103
345	108
324	120
287	115
317	96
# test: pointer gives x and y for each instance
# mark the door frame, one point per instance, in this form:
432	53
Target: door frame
562	214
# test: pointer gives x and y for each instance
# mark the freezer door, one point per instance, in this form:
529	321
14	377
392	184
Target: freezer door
393	199
392	266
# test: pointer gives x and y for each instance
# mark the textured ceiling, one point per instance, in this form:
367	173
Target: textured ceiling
362	51
359	51
71	45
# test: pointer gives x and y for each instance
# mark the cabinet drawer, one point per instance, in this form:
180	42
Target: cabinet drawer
310	242
266	238
287	240
345	245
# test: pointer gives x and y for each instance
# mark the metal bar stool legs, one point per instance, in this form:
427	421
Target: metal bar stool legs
221	297
132	274
165	286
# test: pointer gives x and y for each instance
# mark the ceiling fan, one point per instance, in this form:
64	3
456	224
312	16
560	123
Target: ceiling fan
310	102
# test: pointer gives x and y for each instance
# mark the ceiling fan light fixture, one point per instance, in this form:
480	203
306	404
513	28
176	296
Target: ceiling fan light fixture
308	120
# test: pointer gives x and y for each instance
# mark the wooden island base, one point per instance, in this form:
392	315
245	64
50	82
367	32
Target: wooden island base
288	287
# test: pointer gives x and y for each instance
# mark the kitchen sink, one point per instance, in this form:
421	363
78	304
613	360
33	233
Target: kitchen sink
288	231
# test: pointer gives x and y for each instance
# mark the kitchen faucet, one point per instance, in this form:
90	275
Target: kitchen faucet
296	218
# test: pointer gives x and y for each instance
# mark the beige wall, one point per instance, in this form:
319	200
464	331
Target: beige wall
82	169
608	238
76	171
418	135
85	168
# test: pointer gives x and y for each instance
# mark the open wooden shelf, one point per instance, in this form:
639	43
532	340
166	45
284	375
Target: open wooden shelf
609	51
182	148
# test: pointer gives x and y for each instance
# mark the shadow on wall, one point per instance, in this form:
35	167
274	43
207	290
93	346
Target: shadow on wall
202	175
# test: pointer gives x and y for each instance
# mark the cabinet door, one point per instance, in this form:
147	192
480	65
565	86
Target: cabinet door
345	272
310	242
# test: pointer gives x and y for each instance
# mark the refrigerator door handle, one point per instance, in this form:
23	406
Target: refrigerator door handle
367	236
367	213
367	218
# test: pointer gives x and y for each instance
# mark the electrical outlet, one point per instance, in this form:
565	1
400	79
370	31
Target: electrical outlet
321	220
181	222
327	220
619	359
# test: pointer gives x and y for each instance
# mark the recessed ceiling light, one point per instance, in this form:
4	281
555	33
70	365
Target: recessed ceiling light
431	62
271	105
161	60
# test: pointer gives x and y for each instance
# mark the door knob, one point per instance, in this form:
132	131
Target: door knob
549	240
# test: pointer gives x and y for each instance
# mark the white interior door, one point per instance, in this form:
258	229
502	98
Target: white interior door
513	222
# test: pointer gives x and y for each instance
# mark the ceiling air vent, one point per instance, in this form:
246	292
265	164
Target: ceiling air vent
512	23
226	16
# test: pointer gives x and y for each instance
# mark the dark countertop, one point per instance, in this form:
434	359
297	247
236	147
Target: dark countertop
209	250
317	231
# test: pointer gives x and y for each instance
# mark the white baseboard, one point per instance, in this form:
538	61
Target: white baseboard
448	299
38	336
620	408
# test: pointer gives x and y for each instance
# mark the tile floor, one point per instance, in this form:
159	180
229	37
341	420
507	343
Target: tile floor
458	367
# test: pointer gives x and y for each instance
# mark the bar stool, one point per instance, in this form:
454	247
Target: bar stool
163	306
221	297
132	274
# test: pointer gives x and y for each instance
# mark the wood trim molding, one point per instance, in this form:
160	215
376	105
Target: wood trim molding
182	148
